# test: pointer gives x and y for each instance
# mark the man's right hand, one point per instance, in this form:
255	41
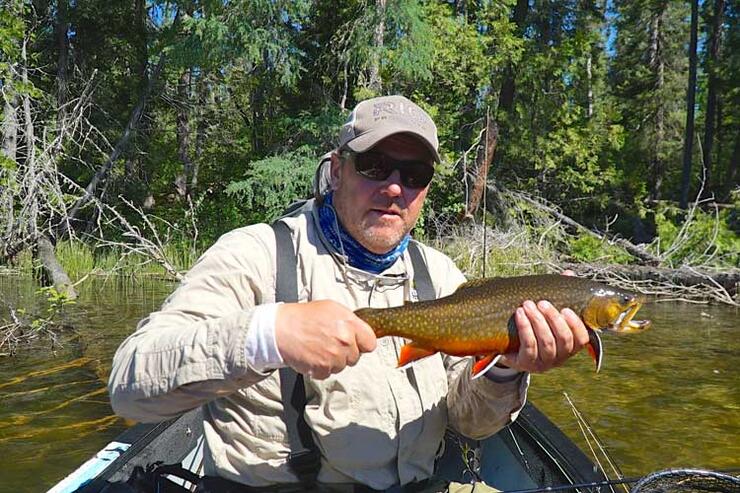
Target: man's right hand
320	338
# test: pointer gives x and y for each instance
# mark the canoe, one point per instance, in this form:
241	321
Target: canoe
530	453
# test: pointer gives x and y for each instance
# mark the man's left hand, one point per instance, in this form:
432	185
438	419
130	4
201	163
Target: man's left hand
547	337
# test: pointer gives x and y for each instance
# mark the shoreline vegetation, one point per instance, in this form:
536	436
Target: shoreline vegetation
585	135
538	239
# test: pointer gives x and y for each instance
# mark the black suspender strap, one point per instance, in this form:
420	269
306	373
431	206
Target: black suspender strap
304	459
422	279
286	273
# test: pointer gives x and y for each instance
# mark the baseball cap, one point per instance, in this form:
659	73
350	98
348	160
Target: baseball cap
375	119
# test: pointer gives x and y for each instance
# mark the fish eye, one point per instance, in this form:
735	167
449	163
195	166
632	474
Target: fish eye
626	299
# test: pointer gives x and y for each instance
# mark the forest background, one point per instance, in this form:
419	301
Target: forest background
603	132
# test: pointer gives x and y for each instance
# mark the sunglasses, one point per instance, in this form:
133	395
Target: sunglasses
377	166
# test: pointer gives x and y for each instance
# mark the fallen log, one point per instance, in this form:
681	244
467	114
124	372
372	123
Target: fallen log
53	269
634	250
722	286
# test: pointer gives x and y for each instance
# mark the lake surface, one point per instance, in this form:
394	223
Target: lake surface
669	397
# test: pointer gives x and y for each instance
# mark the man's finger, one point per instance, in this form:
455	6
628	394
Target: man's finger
546	346
578	329
559	328
527	355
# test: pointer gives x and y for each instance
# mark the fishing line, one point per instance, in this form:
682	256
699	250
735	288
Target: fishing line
583	423
485	189
564	487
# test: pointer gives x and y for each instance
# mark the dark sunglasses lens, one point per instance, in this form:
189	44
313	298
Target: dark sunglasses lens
416	174
372	166
377	167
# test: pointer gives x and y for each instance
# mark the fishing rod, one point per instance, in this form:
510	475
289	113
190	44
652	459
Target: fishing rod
611	482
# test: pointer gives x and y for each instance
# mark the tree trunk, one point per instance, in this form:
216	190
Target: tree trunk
142	50
461	8
590	93
728	280
62	81
688	141
53	269
9	152
10	123
29	180
375	82
183	134
483	159
634	250
712	54
508	85
201	129
590	19
657	63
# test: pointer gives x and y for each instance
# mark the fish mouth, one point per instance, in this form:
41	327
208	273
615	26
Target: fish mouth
624	324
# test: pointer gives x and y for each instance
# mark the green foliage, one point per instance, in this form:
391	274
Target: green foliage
56	302
79	259
649	77
12	29
273	182
587	248
707	237
252	93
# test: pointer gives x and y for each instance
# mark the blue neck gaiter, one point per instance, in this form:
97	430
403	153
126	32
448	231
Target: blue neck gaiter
357	255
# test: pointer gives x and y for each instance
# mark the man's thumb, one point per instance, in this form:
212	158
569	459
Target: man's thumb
365	337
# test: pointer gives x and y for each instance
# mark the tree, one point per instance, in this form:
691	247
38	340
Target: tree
647	76
688	142
711	60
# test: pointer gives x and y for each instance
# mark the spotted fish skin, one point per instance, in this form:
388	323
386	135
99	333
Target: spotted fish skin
477	319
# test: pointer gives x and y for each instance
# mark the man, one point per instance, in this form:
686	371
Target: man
219	337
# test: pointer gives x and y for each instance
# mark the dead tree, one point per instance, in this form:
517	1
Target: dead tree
483	158
104	170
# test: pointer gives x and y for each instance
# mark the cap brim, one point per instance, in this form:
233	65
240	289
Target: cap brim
368	140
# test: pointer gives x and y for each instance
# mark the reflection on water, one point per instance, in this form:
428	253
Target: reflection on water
668	397
54	410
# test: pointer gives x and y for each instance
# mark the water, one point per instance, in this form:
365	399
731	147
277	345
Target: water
54	410
669	397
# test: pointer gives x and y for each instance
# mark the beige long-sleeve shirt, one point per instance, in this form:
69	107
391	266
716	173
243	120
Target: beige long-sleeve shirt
373	423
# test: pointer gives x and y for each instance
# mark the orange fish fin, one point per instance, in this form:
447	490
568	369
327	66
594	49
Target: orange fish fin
595	348
411	352
483	364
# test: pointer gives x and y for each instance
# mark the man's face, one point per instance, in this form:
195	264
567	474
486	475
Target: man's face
378	214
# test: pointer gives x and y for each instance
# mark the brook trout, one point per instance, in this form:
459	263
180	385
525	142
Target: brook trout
478	318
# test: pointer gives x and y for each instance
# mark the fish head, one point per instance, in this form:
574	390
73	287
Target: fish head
613	310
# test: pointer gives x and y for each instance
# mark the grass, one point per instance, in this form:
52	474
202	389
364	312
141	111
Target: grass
80	259
506	253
